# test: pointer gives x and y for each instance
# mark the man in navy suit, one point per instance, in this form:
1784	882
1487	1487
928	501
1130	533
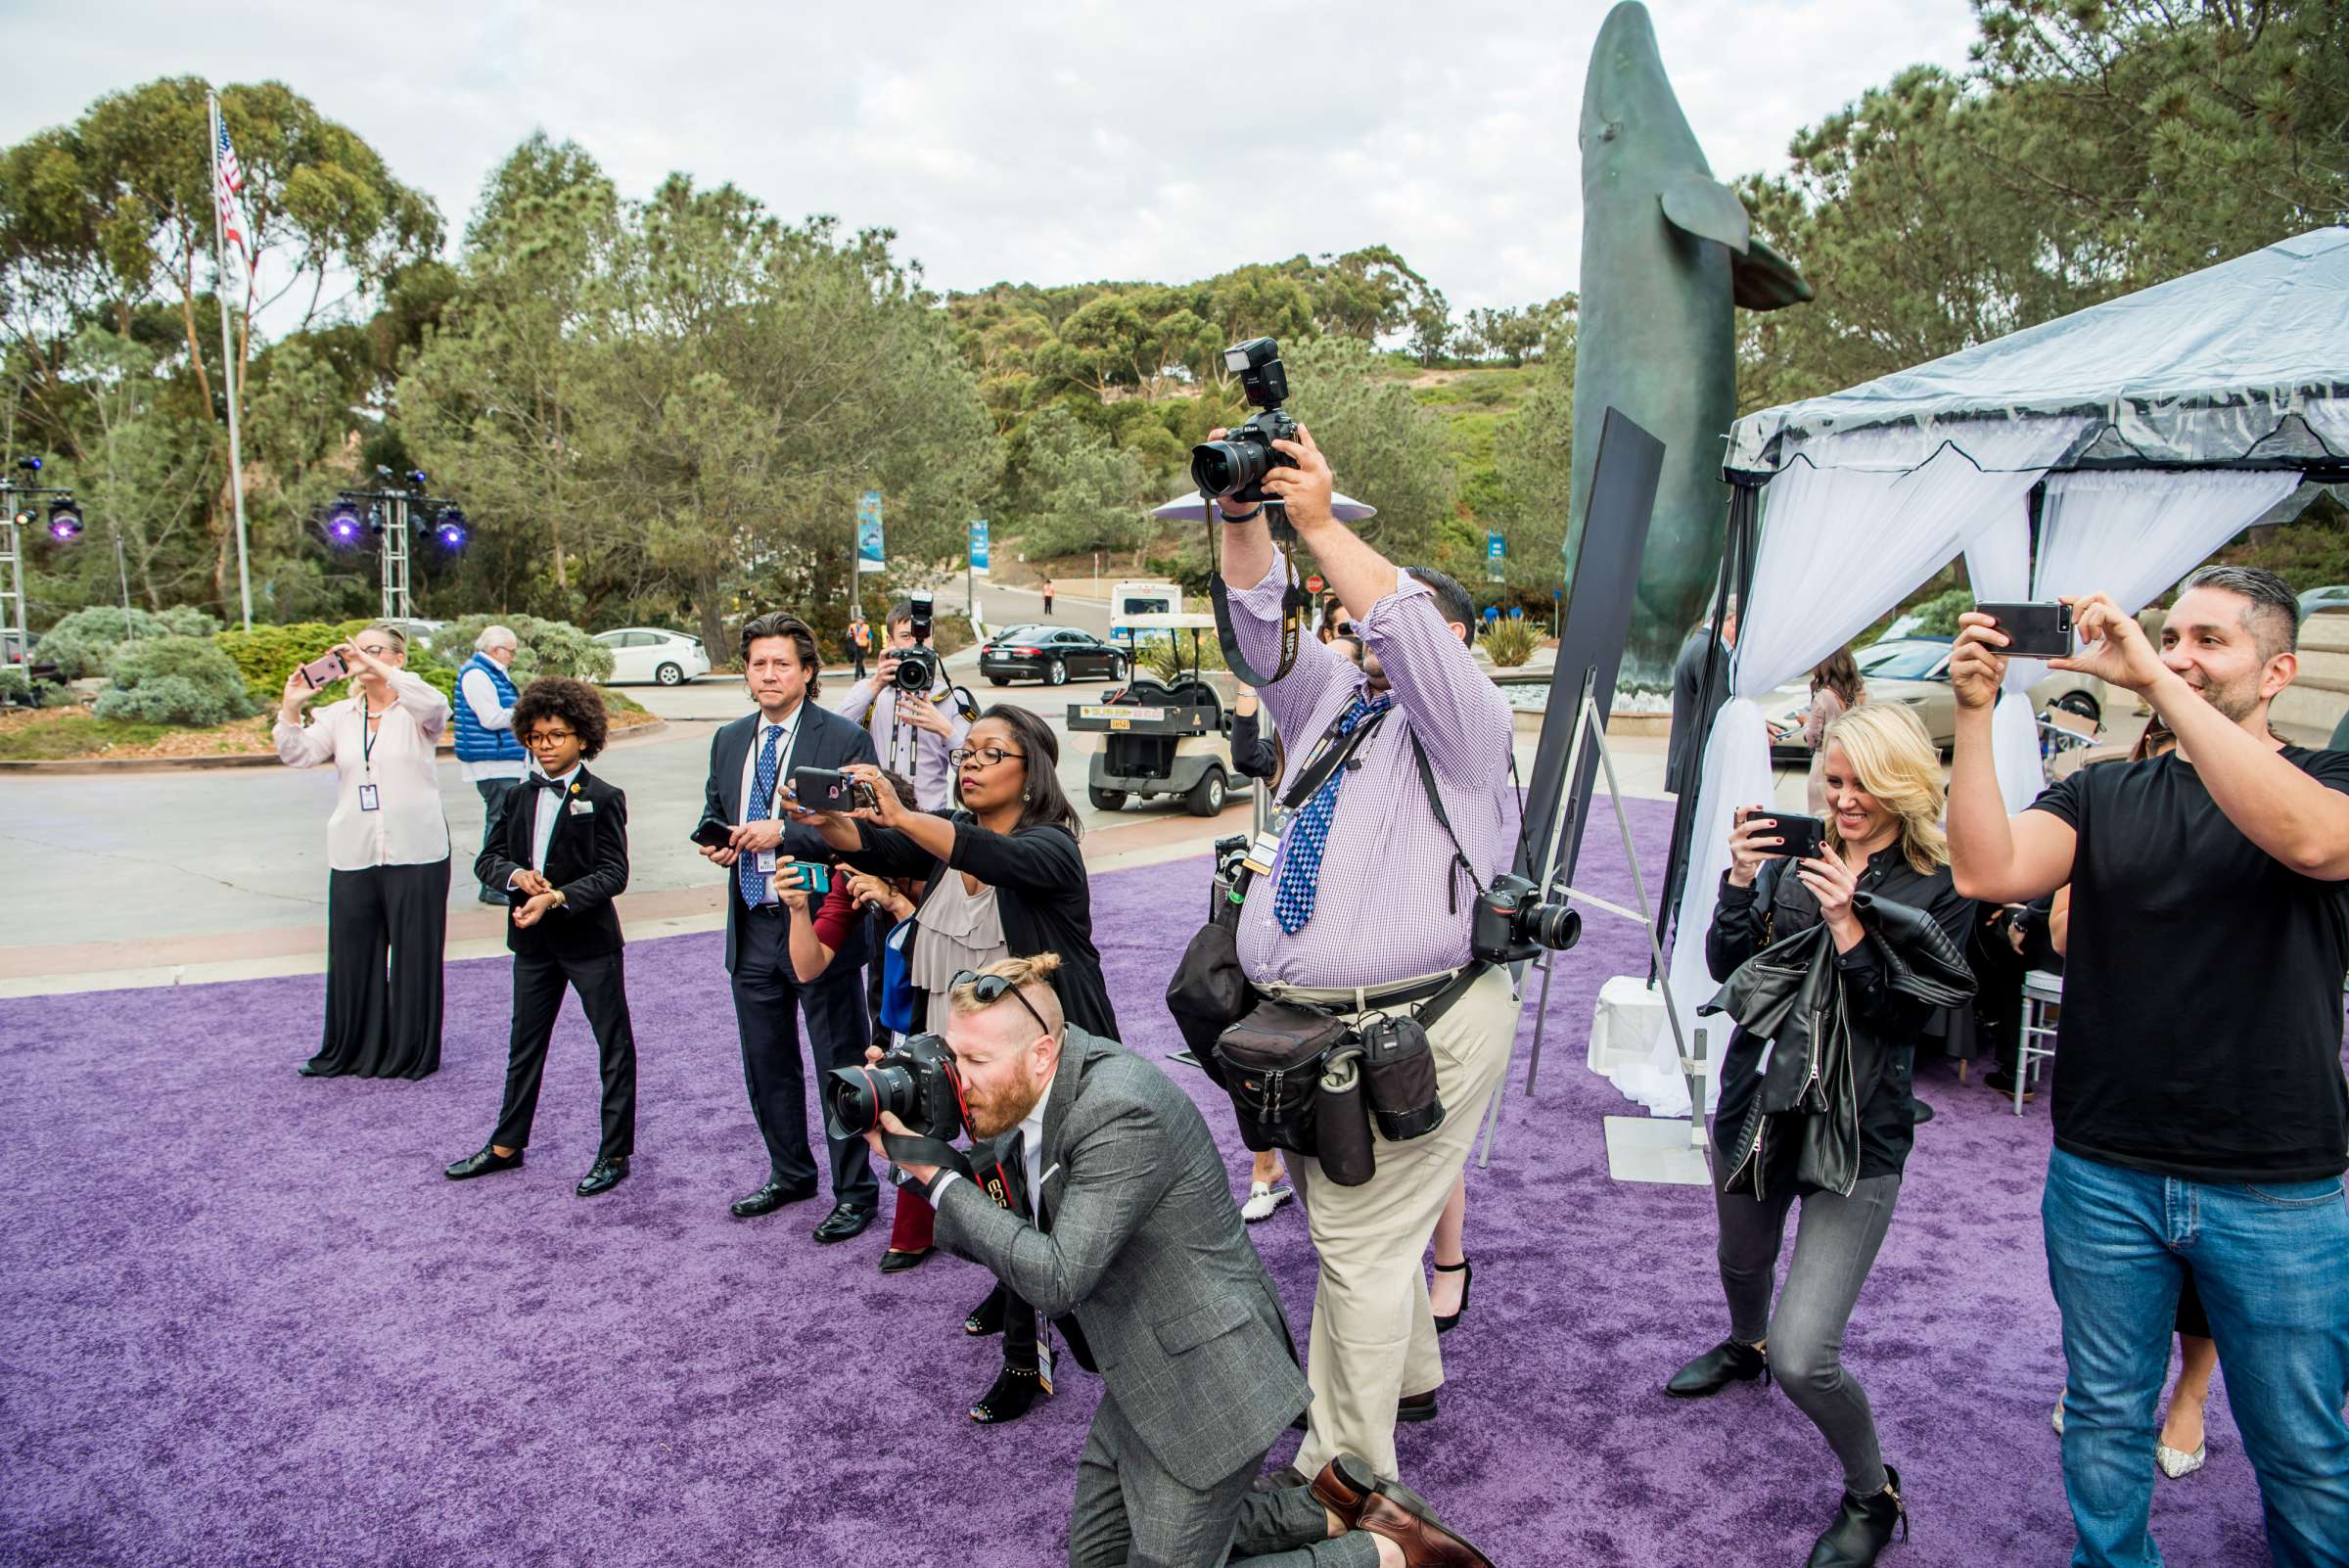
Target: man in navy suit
750	763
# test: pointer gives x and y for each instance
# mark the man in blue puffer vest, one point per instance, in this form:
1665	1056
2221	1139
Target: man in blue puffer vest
492	760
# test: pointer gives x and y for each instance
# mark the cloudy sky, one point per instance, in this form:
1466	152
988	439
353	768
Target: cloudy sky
1052	142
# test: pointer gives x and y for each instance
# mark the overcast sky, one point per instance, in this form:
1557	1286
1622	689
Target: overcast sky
1047	142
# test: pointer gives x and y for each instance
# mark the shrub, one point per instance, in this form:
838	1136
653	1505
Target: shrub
82	642
175	680
1937	616
548	648
16	686
1510	643
266	655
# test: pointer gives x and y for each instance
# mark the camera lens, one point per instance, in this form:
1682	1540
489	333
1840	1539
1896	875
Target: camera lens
1555	926
855	1096
1222	466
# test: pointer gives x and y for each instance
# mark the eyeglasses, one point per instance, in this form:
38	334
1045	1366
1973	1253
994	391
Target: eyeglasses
547	737
990	755
379	650
989	989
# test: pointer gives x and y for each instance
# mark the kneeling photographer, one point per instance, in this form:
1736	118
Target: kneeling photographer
1001	877
1361	921
1135	1249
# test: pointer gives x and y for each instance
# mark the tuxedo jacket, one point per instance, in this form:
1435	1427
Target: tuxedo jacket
825	739
1140	1241
588	858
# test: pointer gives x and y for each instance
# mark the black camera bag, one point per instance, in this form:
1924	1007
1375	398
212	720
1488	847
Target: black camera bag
1399	1069
1271	1063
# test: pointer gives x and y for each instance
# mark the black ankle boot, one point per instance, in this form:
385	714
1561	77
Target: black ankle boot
1863	1528
1730	1362
1016	1388
987	1316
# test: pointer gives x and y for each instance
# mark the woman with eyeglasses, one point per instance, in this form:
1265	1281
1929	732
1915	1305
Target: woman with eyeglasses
1002	877
387	847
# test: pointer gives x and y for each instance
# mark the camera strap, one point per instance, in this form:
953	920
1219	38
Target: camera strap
1293	602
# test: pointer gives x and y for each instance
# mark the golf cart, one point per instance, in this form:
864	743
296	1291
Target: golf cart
1163	738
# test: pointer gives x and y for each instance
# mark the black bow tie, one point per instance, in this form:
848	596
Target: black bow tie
541	781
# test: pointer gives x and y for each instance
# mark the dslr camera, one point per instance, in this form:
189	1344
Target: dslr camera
916	1082
918	668
1235	467
1512	923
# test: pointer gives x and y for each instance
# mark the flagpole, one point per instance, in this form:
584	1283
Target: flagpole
228	368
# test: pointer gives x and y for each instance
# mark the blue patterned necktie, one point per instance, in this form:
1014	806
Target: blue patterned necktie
1309	835
762	790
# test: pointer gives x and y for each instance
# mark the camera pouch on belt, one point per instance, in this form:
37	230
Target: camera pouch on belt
1400	1071
1270	1064
1340	1124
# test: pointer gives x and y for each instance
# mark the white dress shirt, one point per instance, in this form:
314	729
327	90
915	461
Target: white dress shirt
549	806
477	692
750	772
407	828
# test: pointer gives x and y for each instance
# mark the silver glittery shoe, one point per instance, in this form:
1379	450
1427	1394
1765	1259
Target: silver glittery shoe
2177	1465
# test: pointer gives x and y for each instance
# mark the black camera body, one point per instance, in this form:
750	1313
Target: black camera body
916	1082
1234	468
919	669
1513	924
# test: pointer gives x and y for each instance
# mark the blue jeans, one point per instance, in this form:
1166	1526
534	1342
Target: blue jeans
2273	1266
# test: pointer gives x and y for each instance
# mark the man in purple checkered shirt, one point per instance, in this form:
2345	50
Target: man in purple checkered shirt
1389	911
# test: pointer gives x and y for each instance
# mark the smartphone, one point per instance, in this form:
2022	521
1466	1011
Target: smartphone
2032	630
713	834
811	877
323	671
827	789
1806	836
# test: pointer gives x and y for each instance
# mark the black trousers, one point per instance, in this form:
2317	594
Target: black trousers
497	794
768	1001
385	929
539	982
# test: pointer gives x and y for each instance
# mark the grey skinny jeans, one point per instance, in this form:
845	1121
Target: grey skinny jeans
1835	1244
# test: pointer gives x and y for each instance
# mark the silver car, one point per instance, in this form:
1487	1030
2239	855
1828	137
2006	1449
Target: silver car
1915	672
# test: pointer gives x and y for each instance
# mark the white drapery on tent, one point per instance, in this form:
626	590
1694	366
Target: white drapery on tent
2125	410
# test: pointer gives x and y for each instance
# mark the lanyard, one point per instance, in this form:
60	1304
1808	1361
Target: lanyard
366	741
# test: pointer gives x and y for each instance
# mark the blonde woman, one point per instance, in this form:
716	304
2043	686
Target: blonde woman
1884	838
387	850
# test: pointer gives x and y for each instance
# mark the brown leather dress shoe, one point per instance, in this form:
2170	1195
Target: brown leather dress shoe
1347	1481
1425	1542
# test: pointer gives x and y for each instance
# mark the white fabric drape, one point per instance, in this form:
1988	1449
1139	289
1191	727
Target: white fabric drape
2131	533
1862	518
1997	565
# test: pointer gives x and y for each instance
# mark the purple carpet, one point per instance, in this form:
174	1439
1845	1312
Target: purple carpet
247	1321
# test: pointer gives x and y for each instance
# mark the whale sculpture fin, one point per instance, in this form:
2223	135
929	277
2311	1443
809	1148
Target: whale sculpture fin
1698	205
1764	280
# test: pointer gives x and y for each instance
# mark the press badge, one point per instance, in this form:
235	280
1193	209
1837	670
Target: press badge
1260	855
765	863
369	801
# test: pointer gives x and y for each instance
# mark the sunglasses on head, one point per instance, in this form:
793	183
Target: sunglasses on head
989	989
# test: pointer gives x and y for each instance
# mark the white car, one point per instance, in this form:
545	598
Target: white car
648	653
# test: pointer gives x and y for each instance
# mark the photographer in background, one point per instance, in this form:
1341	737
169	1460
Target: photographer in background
911	733
489	757
2201	1120
1134	1247
1368	908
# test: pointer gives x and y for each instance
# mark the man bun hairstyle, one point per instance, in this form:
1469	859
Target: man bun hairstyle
2273	617
575	702
802	636
1451	600
1031	977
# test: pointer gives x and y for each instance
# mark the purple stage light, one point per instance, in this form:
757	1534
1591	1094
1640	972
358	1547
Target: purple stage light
64	519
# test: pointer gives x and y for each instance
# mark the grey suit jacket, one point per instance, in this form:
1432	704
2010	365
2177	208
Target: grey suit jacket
1147	1250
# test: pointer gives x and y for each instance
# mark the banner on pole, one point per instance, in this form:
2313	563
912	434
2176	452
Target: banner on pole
870	555
978	547
1497	551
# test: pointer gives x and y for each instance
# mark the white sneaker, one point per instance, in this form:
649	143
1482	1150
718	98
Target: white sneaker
2057	1420
1263	1199
2175	1464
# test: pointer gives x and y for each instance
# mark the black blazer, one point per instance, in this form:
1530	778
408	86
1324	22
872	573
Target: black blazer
825	740
587	856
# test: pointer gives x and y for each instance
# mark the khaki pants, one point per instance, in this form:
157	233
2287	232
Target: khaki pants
1374	1338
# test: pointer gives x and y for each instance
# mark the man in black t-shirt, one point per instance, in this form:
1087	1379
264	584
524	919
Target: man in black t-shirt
2202	1118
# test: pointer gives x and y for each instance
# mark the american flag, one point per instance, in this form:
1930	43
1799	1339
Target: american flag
228	178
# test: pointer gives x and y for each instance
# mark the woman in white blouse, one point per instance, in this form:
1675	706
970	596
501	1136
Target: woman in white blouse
386	847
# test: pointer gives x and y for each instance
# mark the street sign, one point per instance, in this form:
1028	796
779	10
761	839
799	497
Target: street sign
1496	550
978	547
1313	583
870	555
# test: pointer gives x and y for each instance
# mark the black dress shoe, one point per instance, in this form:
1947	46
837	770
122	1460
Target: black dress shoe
1416	1407
492	896
311	1070
987	1318
1863	1528
1730	1362
482	1162
1015	1390
1923	1112
770	1198
845	1220
603	1177
1447	1322
894	1262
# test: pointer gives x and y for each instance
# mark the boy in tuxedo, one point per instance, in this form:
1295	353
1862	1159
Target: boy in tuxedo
562	860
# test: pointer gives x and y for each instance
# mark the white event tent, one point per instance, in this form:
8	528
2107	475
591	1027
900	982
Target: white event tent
2160	424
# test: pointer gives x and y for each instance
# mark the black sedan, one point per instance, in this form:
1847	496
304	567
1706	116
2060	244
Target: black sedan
1049	654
